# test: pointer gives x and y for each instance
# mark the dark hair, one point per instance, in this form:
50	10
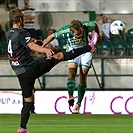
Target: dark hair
16	15
75	25
96	28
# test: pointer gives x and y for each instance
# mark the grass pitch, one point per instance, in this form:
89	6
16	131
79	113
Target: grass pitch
72	123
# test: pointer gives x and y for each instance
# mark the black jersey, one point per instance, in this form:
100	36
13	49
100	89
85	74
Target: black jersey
19	53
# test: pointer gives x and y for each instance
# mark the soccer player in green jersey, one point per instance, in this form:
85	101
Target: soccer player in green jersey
76	36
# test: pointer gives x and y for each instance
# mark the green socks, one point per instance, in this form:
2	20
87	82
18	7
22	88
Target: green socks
81	92
71	85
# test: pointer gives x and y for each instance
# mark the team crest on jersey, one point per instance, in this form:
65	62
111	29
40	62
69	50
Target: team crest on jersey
27	39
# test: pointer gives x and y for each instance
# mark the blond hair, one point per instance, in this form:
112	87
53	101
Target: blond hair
75	25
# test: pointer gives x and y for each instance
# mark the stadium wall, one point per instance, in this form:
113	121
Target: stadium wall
57	77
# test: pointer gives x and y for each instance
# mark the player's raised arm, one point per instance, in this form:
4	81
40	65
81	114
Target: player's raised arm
37	48
48	40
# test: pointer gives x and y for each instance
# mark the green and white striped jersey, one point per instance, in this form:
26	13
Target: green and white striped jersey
72	42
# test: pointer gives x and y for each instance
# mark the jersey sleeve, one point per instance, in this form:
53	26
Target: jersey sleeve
25	38
63	32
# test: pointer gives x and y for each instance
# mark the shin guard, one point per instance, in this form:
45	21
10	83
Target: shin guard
81	92
71	85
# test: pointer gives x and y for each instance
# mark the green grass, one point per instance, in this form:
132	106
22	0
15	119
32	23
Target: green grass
71	123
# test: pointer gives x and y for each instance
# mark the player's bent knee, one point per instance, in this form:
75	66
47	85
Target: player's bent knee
85	70
29	99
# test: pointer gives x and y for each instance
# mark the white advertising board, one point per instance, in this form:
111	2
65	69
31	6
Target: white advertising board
55	102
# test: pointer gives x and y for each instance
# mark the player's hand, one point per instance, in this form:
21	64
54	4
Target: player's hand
49	53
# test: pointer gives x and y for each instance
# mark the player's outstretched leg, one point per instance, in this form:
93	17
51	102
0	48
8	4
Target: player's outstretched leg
64	56
88	48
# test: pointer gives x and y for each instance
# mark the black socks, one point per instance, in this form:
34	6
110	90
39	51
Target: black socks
25	113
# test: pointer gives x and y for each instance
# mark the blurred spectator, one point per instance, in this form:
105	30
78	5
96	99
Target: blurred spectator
54	45
29	16
3	44
29	24
104	26
8	25
2	35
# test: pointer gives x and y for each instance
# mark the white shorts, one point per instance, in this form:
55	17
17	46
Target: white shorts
83	60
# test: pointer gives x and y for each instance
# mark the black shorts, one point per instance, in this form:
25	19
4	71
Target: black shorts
27	79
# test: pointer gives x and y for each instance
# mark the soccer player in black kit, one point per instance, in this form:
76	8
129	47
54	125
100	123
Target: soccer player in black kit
26	67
